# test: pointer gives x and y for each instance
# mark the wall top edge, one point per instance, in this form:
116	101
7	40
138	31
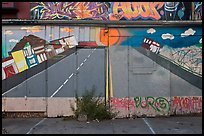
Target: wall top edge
99	22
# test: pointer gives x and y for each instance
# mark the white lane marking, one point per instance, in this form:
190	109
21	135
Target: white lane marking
33	77
81	64
148	125
71	75
35	126
56	91
85	60
66	81
45	70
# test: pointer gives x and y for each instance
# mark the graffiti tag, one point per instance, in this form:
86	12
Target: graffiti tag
134	10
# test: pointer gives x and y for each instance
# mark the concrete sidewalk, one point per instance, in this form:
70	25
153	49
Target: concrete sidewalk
162	125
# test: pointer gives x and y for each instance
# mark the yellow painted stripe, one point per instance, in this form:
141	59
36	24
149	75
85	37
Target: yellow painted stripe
111	86
106	77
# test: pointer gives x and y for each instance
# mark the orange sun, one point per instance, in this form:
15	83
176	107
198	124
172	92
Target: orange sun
113	35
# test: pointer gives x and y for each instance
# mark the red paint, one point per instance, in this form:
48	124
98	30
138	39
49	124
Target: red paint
122	103
187	103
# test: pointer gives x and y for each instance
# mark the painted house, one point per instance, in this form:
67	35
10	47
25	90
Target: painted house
9	67
151	45
36	47
64	43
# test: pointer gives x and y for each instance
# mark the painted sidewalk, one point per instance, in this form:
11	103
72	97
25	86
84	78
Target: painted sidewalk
170	125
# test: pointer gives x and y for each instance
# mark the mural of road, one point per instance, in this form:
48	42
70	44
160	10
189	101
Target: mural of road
60	80
134	74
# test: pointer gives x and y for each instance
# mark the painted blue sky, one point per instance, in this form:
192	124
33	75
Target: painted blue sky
178	37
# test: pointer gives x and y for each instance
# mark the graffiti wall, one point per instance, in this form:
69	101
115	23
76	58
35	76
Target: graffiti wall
117	10
69	10
156	106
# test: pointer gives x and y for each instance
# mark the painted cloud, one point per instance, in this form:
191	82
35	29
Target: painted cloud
13	40
8	33
66	29
151	30
32	29
200	41
167	36
188	32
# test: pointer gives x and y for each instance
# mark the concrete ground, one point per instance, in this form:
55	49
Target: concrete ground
160	125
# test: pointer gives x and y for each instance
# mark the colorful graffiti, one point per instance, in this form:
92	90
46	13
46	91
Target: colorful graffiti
116	10
186	104
70	10
135	10
153	106
158	104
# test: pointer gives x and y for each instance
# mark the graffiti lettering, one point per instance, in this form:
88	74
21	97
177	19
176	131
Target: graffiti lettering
134	10
64	10
187	104
122	103
158	104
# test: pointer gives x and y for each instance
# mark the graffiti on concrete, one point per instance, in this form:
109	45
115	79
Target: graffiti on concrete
122	103
186	104
159	104
135	10
149	11
70	10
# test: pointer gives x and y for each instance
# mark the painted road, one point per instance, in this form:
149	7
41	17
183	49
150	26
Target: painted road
170	125
132	74
76	72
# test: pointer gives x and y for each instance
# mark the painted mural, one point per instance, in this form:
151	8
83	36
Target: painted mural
26	47
117	10
182	46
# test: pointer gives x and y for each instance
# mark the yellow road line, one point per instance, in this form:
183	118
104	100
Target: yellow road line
111	86
106	77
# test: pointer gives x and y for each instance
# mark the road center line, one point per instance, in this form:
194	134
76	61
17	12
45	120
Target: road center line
66	81
148	125
81	64
71	75
35	126
56	91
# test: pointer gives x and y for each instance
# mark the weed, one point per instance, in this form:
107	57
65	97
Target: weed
92	107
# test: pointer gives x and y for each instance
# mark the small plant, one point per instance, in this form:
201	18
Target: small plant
92	107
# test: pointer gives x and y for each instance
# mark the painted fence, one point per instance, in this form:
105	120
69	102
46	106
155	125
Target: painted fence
117	10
